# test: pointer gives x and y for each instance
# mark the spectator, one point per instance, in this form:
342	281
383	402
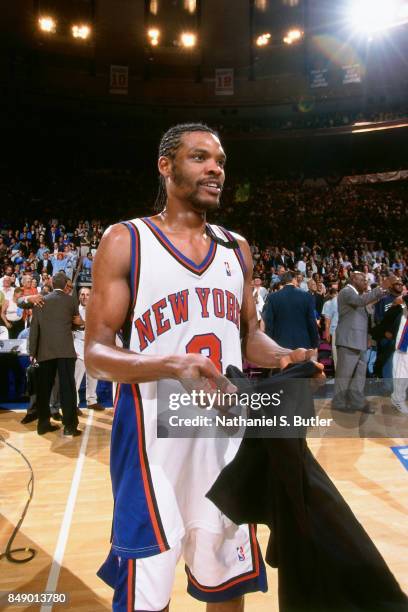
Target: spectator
12	314
87	264
331	318
80	371
45	264
395	329
59	263
386	347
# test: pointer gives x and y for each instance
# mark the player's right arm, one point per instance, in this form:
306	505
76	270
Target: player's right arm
106	313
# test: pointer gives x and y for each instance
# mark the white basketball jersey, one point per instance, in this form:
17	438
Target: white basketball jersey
179	307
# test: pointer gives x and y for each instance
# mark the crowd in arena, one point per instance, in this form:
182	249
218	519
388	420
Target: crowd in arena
321	232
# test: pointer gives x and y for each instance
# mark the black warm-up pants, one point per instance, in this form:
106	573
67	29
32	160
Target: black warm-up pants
46	377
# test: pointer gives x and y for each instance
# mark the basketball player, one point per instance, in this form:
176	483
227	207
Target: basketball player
186	287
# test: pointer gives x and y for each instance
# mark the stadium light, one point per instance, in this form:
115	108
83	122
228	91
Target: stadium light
371	16
263	40
188	39
82	31
293	36
47	24
154	36
190	6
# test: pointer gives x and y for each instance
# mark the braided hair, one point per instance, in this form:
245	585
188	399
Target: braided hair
168	146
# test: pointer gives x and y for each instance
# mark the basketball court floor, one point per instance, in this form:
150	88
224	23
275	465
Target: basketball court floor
69	518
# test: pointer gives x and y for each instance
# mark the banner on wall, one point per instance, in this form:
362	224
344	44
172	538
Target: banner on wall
319	78
351	74
224	82
119	80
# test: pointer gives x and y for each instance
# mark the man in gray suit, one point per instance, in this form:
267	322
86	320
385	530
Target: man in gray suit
351	342
51	344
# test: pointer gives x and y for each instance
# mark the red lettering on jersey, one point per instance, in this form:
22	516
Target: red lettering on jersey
179	306
162	326
231	306
237	314
144	330
203	297
219	306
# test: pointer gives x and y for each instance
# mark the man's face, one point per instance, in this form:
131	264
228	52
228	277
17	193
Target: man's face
397	287
359	282
6	282
84	296
196	174
68	287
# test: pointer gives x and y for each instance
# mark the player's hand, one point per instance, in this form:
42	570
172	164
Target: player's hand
197	372
300	355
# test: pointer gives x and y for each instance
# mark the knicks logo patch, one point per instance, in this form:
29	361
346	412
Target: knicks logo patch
227	268
241	553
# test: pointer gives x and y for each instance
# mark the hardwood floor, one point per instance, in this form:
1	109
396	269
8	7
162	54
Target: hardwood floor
70	513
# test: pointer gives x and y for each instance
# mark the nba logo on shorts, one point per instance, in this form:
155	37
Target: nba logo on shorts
241	553
227	268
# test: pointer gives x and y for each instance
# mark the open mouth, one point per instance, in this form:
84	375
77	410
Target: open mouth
212	187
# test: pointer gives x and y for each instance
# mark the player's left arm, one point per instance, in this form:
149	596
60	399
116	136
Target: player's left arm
257	347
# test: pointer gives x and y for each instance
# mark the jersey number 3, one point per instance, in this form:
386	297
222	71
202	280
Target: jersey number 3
208	345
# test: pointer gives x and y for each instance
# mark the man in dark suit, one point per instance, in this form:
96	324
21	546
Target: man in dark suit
289	316
51	345
45	264
53	234
284	259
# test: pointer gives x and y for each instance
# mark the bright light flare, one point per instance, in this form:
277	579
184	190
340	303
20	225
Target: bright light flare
82	31
47	24
188	39
293	36
154	36
263	39
371	16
